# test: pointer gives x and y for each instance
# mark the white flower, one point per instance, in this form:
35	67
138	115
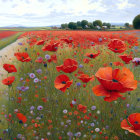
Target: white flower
36	80
97	129
65	111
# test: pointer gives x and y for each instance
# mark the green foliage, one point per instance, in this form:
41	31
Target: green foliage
79	23
72	25
64	26
136	22
84	23
126	25
97	23
107	24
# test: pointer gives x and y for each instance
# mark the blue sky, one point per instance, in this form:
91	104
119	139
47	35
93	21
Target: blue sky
55	12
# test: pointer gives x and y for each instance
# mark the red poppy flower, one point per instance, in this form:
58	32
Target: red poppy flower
92	55
82	108
23	57
53	47
114	82
53	58
8	80
62	82
9	68
132	123
21	117
32	41
117	46
86	60
69	66
126	58
39	60
85	78
40	42
68	41
118	64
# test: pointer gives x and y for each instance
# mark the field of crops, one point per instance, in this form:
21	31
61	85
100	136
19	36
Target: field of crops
73	85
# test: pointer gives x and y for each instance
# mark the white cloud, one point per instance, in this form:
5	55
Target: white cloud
47	12
122	4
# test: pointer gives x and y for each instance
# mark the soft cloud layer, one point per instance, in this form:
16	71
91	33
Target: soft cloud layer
54	12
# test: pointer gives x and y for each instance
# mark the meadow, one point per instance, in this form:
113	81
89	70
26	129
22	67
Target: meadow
80	85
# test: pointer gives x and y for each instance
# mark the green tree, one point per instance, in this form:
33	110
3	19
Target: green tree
126	25
136	22
72	25
108	25
84	23
97	23
79	23
64	26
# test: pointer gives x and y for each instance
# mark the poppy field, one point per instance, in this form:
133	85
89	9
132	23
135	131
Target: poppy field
73	85
8	37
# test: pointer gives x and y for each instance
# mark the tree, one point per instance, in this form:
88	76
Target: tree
72	25
64	26
84	23
79	23
126	25
136	22
97	23
90	25
108	25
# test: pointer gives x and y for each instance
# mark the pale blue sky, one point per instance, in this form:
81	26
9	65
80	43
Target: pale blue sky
55	12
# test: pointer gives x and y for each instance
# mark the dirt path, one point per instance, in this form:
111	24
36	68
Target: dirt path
7	56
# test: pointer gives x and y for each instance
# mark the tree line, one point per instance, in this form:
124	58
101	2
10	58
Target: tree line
84	24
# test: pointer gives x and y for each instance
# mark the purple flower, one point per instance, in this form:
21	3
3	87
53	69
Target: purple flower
78	84
47	56
40	107
19	43
32	75
81	66
22	88
32	108
39	71
93	107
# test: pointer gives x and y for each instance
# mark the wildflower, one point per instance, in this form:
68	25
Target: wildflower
32	75
8	80
9	68
62	82
36	80
40	107
47	56
23	88
85	78
117	46
65	111
23	57
114	82
132	123
69	66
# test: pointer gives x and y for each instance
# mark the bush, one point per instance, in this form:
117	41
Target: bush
136	22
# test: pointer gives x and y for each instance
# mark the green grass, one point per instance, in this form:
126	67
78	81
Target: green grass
6	41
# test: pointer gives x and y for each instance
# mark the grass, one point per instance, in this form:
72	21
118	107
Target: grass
6	41
51	123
